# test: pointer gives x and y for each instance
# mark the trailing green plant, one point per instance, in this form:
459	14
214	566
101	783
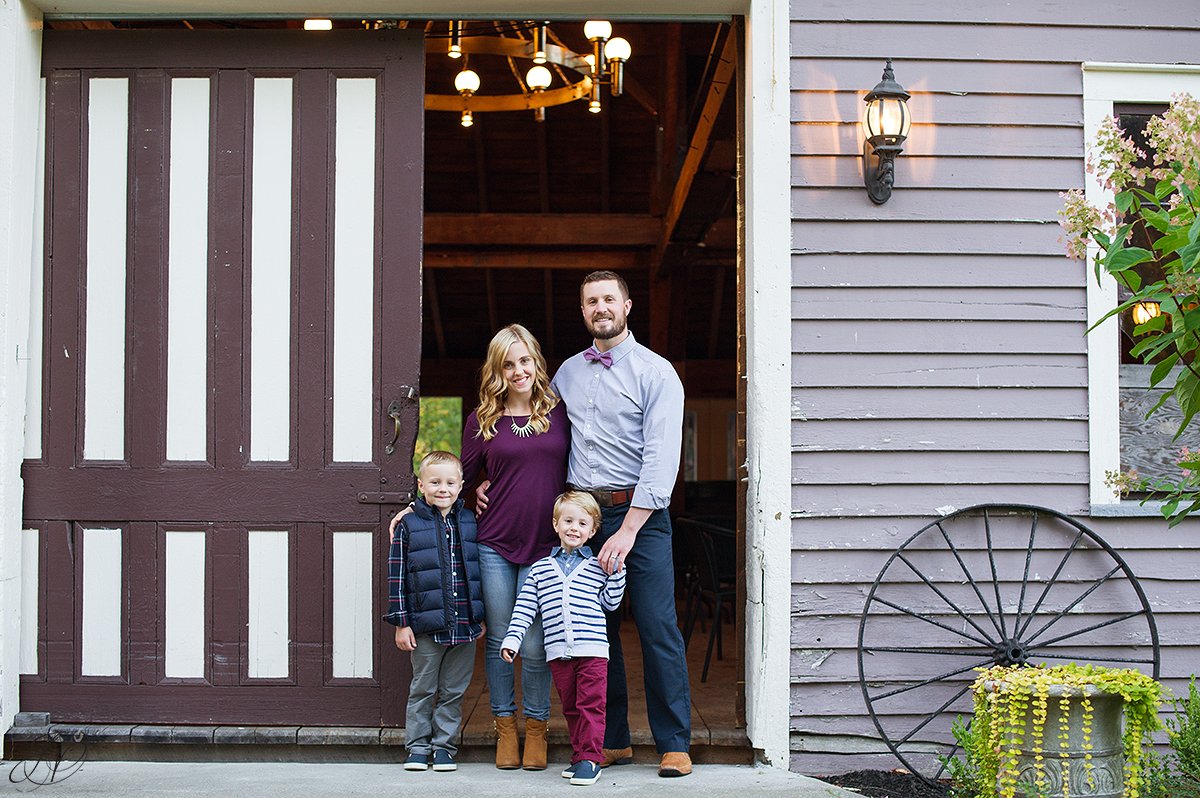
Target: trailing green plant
1154	205
1011	700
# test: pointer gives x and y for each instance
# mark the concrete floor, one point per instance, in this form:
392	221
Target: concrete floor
288	780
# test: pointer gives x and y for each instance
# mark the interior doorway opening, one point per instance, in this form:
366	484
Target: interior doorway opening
519	210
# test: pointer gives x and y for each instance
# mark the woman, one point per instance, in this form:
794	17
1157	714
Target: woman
517	438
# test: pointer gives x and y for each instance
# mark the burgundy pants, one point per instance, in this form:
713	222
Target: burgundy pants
582	687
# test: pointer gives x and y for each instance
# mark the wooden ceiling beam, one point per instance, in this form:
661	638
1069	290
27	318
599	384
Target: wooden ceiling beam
718	89
541	230
612	260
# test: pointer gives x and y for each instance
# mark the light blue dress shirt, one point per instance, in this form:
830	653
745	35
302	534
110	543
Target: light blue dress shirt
626	422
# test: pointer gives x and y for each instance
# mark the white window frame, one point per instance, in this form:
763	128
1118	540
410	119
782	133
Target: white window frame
1104	85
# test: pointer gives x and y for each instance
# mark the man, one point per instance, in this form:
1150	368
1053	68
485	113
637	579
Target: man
626	408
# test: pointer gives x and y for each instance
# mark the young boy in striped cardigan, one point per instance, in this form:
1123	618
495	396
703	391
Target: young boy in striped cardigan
571	592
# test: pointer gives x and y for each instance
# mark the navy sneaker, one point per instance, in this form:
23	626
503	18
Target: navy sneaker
569	771
586	773
417	762
444	760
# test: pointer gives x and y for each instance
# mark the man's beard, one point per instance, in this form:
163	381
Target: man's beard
618	327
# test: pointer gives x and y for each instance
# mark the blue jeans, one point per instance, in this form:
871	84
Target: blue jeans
501	582
651	591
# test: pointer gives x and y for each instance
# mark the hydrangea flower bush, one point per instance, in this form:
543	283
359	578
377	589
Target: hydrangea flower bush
1155	197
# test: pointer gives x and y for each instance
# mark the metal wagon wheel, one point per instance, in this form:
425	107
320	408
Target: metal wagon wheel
991	584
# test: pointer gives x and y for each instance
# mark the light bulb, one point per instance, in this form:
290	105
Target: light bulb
466	82
617	49
318	24
1144	311
594	106
595	29
467	121
538	78
455	51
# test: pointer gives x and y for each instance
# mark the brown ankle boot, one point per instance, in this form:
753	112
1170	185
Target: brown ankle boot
508	746
535	745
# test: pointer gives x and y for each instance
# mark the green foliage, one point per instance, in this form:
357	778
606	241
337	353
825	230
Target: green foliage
1182	764
440	426
1009	701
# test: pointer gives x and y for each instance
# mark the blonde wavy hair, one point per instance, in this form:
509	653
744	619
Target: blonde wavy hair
493	388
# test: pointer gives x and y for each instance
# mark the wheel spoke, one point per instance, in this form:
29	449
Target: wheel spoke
930	680
919	617
970	578
942	595
1095	659
1050	582
1062	614
941	652
991	552
1086	629
933	715
1025	576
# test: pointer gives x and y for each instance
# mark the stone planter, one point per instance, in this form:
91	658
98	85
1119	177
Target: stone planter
1105	778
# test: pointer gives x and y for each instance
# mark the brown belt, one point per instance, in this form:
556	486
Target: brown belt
608	497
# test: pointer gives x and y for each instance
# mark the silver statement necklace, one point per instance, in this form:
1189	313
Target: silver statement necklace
522	430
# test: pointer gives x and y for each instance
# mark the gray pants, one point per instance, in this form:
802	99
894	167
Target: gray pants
441	675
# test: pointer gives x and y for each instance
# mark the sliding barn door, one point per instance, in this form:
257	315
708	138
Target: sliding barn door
231	321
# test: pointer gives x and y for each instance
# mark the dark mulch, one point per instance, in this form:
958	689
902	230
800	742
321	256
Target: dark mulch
888	784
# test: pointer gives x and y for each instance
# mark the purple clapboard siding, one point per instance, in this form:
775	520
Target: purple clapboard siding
980	172
939	271
955	335
841	137
980	42
1036	110
1008	404
1050	12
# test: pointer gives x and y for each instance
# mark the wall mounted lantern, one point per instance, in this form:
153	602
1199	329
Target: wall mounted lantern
885	126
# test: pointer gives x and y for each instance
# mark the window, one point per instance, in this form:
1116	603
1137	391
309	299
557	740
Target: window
1119	435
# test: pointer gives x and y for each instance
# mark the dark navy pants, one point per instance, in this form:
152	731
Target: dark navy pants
650	586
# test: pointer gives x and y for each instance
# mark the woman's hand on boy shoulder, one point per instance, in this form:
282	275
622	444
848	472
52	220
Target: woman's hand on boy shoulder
396	522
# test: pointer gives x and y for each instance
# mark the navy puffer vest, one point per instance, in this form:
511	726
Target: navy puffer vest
427	578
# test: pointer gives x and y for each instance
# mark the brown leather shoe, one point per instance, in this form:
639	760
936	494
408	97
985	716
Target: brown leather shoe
535	745
616	756
508	745
675	763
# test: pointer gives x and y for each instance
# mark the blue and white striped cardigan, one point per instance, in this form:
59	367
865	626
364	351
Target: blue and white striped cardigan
571	605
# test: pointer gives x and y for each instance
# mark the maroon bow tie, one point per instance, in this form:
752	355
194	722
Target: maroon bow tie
592	354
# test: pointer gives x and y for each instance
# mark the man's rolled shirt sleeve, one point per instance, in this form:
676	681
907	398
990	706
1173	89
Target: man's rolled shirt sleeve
662	433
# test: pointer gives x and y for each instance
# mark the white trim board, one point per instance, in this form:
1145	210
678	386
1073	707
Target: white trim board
1103	86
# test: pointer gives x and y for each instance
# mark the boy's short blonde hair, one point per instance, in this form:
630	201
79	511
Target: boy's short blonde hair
581	499
438	457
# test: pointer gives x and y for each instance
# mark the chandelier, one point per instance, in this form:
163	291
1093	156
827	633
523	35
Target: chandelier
579	77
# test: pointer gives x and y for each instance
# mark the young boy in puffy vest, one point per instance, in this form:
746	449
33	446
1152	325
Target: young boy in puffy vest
572	592
435	601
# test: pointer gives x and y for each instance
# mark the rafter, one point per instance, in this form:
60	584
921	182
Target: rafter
536	229
613	260
718	89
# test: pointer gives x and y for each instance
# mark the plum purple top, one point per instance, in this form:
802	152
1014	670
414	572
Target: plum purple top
527	474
